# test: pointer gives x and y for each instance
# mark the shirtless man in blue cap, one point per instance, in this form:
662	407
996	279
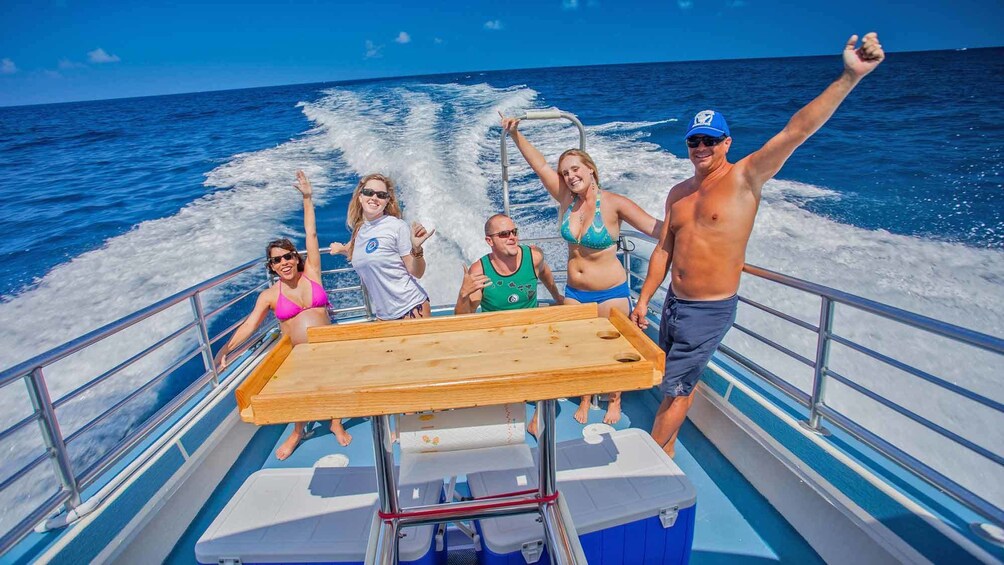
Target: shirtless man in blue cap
709	218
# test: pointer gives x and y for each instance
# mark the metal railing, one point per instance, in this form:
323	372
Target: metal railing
818	410
73	477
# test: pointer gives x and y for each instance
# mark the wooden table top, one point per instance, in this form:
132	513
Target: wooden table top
449	362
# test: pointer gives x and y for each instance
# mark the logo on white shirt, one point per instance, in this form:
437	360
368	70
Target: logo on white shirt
372	245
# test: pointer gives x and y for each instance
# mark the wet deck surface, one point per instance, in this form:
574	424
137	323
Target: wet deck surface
734	523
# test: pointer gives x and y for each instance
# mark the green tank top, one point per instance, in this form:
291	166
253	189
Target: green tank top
517	291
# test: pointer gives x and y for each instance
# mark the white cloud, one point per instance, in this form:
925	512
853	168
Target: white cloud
99	55
403	37
569	4
494	25
437	40
685	4
67	64
372	50
7	67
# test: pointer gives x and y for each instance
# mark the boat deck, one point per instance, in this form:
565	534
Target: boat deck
735	524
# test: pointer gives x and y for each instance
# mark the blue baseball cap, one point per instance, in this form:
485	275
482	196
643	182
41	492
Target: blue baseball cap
708	122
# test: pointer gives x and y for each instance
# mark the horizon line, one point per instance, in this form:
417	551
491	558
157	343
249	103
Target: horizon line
439	74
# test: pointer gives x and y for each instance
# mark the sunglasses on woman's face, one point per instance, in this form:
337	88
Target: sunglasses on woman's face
382	195
280	258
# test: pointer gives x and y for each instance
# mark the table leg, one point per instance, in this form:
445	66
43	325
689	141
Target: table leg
547	410
383	455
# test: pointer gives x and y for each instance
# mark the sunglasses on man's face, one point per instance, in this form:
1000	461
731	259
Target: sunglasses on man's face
382	195
280	258
695	141
504	234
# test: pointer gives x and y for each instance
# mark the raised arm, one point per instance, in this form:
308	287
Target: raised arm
658	266
245	330
544	274
762	165
471	289
309	224
548	176
637	217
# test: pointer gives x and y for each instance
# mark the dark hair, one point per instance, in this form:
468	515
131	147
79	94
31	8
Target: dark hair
282	244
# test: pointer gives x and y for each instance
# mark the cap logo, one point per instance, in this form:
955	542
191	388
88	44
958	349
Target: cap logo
703	118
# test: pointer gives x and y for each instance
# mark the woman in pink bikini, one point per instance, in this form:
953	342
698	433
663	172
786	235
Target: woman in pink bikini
299	284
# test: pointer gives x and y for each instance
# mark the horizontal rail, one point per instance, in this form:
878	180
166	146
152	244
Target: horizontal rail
796	394
964	392
138	435
16	476
919	468
33	417
805	360
233	301
937	327
779	314
115	370
90	338
132	395
916	417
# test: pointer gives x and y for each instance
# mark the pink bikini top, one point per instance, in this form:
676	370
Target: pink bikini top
286	308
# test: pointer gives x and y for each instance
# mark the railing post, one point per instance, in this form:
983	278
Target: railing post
40	400
207	350
819	374
366	303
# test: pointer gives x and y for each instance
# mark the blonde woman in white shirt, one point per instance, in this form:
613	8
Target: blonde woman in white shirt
385	252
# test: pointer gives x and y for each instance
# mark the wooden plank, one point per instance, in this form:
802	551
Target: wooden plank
440	324
435	358
485	391
260	376
641	342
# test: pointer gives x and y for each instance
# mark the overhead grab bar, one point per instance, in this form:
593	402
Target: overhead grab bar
550	114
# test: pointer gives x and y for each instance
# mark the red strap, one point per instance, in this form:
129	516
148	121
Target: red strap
487	506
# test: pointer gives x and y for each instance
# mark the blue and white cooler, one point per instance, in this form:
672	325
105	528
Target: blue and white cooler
312	515
629	501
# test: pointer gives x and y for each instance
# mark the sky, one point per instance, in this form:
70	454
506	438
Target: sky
68	50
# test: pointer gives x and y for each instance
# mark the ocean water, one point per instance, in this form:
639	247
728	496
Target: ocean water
106	207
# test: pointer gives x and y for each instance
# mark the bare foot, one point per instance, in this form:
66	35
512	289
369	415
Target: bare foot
291	443
670	450
532	426
344	438
582	414
613	414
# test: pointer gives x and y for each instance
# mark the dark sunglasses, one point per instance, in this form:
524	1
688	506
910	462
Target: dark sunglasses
504	234
382	195
695	141
280	258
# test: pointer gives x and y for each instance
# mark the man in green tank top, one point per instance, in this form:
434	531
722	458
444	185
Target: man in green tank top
506	278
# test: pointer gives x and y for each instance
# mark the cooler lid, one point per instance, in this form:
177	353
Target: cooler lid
309	515
622	478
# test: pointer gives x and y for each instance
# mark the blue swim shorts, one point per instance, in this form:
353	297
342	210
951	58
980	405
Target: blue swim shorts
689	333
598	296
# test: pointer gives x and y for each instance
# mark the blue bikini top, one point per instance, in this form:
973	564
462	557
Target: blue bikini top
593	236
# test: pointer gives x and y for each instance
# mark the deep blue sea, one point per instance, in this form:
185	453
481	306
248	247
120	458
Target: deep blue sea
108	206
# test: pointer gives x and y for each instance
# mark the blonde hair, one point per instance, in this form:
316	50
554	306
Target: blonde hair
354	218
585	159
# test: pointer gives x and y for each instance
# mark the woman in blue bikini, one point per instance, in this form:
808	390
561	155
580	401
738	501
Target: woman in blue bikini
591	220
